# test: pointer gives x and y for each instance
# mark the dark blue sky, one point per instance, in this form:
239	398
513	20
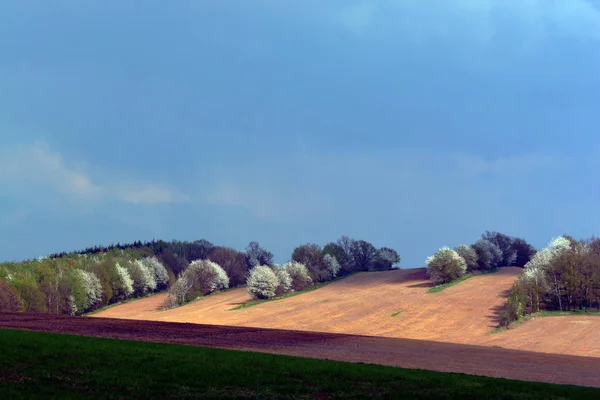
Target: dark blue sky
409	125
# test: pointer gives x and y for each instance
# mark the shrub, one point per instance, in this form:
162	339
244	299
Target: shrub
180	291
469	255
333	267
207	277
385	259
284	278
445	266
515	306
299	274
9	298
489	255
262	282
504	243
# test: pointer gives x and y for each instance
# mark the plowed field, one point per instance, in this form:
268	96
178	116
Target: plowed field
363	304
407	353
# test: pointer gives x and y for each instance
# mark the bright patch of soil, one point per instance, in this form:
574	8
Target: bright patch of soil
362	304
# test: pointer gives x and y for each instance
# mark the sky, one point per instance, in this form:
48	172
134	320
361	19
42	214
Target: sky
410	124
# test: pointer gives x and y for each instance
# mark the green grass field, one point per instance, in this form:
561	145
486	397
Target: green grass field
53	366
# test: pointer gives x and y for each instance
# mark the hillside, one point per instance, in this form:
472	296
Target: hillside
360	304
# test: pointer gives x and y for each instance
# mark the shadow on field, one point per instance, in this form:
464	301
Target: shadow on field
422	285
497	310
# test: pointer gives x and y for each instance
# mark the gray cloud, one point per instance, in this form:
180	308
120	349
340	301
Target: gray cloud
302	185
36	166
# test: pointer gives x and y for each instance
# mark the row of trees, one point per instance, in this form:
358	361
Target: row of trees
563	276
264	279
76	284
492	250
82	281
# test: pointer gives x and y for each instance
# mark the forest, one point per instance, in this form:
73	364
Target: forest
565	275
83	281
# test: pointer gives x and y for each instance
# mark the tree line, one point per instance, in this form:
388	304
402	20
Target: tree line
491	251
83	281
563	276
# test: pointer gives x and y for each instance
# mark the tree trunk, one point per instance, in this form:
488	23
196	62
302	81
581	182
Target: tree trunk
557	291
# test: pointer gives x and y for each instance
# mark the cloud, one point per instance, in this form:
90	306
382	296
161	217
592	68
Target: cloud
318	185
419	20
265	202
37	166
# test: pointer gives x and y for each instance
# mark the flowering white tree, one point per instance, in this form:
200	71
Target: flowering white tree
262	282
180	291
147	281
161	276
91	286
469	255
72	305
299	274
125	283
445	266
489	255
540	275
333	266
284	278
207	276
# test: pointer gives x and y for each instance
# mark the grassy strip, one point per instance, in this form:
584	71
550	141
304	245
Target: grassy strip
54	366
397	313
252	303
543	314
463	278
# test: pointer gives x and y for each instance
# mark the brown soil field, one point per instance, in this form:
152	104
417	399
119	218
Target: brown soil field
407	353
363	304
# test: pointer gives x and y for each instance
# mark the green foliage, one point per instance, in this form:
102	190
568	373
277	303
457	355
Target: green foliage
9	297
445	266
33	300
44	365
312	256
469	255
564	276
262	283
299	275
515	306
385	259
77	296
